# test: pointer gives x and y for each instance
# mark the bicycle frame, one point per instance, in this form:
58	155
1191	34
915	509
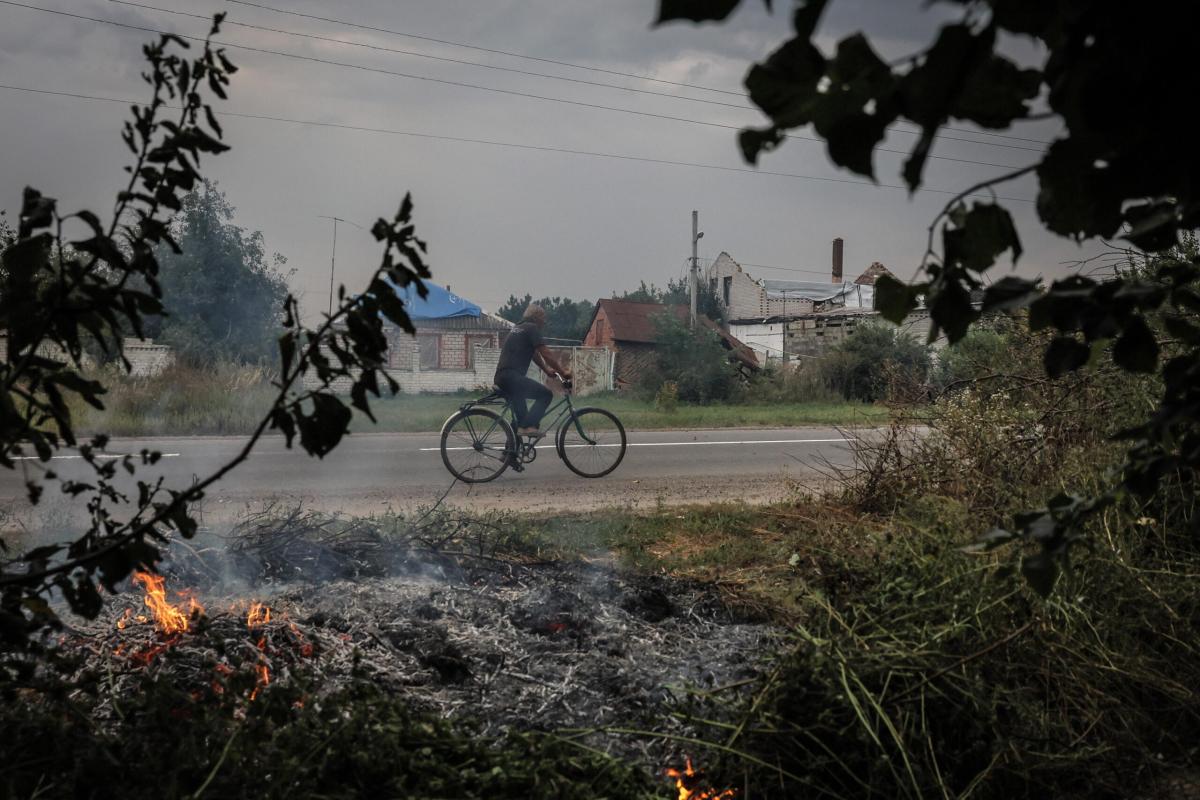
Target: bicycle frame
558	410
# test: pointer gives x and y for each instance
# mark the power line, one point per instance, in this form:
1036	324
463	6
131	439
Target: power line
542	75
515	145
712	261
411	76
481	49
740	106
392	32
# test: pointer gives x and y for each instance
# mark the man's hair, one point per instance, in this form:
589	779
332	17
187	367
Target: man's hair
533	312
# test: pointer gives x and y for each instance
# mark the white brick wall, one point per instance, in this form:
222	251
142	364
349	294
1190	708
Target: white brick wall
747	299
146	358
414	380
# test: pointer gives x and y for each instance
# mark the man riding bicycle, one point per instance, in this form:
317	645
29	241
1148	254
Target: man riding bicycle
525	344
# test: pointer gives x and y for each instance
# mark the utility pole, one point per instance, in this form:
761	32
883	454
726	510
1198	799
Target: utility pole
697	234
333	256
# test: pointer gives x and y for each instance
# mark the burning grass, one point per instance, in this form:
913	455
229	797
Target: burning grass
439	657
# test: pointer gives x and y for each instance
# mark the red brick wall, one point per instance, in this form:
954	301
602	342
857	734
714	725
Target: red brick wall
632	362
600	334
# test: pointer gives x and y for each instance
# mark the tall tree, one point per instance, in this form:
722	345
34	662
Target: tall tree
1114	76
223	298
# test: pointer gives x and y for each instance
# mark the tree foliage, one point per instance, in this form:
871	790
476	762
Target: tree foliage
1132	171
678	293
59	294
696	362
863	365
223	298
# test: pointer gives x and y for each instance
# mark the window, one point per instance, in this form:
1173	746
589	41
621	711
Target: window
726	288
476	340
431	347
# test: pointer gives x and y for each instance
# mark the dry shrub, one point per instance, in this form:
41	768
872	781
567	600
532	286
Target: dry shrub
940	674
223	399
1002	442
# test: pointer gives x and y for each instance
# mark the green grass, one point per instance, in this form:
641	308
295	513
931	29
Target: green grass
428	412
231	401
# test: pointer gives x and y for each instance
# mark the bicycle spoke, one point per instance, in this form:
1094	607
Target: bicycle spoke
592	442
475	446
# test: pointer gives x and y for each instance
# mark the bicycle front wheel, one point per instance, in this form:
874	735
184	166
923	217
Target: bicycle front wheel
477	445
591	442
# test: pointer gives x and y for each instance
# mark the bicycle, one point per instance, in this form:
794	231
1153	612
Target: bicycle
479	444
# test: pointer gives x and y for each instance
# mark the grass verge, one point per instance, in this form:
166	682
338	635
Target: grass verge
231	400
920	671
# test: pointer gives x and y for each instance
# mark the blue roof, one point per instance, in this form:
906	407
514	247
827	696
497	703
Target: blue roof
439	303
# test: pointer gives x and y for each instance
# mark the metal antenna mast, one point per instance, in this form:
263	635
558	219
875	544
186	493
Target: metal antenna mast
333	257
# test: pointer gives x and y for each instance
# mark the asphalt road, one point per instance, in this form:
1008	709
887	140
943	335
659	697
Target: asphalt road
372	472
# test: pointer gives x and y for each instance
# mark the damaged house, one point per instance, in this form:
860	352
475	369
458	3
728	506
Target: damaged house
781	319
628	329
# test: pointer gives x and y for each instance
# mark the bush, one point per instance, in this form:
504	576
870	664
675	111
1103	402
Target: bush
805	382
987	348
874	359
695	361
667	397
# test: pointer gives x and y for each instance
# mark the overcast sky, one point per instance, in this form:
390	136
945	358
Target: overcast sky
499	220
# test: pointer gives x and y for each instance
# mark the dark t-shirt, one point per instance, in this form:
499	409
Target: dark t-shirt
518	349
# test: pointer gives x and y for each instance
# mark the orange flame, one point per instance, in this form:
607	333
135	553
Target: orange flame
169	618
686	780
123	622
264	677
258	616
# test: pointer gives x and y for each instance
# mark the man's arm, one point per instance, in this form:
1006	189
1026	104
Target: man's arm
548	363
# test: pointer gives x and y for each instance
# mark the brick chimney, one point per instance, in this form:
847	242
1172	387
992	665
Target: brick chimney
837	260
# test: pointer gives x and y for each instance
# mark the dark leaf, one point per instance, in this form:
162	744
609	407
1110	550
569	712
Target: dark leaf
755	141
786	83
1181	329
914	165
1153	226
287	350
695	10
1136	350
1009	293
894	299
996	93
1076	197
950	308
321	431
984	233
1065	354
990	541
37	211
807	15
1040	572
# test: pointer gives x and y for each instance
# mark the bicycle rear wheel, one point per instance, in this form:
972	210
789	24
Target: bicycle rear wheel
591	442
476	445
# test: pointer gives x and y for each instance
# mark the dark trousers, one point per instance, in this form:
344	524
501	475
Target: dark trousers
518	388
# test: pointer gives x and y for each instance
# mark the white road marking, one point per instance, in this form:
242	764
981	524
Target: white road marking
98	456
671	444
